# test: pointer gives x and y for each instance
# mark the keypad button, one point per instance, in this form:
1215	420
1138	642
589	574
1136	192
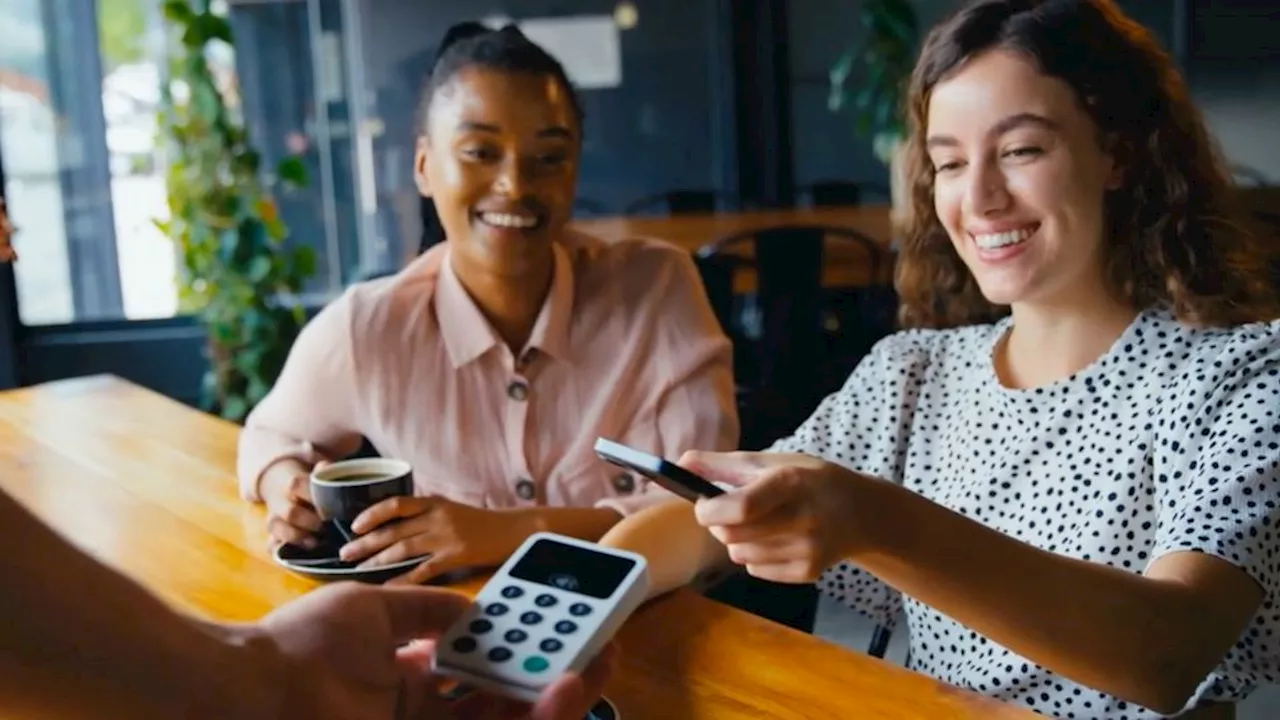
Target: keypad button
511	592
624	482
496	609
480	627
515	635
517	391
464	644
550	645
525	489
579	609
500	654
531	618
545	601
565	627
535	664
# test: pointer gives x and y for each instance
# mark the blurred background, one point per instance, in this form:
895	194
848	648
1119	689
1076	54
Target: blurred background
732	100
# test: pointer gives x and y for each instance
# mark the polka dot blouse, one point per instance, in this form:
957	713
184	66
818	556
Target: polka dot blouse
1169	442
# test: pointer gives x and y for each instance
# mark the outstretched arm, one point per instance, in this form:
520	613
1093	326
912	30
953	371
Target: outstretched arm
83	641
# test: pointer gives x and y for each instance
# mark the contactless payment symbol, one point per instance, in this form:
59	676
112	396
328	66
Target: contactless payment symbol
564	581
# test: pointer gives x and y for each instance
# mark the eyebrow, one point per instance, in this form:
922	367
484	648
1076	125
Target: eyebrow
555	131
1009	123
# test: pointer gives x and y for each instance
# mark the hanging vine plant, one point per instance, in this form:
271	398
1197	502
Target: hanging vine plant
236	274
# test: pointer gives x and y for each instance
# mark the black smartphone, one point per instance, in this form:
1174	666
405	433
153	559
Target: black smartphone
664	472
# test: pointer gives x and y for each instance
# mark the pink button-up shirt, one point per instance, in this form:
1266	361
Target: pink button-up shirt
626	346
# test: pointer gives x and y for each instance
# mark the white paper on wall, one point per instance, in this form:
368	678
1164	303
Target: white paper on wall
588	46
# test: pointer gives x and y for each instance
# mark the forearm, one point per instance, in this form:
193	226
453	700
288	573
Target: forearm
83	641
582	523
1141	639
677	548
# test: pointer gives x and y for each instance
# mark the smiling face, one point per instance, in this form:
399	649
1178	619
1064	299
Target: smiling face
1020	180
500	160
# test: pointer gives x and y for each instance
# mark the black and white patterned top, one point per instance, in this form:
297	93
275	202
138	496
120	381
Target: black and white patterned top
1170	441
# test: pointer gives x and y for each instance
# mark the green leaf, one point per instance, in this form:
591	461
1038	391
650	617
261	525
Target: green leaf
256	391
304	261
865	97
235	408
900	16
229	245
208	390
206	27
206	102
247	162
248	360
259	268
292	171
276	229
862	124
178	11
885	112
223	332
838	76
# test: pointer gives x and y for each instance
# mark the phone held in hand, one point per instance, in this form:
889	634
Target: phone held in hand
664	472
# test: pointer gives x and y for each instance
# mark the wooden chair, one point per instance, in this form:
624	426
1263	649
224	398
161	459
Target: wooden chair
784	366
796	347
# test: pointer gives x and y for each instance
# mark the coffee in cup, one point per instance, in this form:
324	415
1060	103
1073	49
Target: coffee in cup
343	490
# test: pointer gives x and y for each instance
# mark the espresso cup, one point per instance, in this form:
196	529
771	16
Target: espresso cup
343	490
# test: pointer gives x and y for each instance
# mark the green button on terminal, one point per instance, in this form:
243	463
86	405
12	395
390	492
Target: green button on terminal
536	664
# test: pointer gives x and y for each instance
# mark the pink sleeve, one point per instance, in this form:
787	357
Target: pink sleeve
697	409
311	413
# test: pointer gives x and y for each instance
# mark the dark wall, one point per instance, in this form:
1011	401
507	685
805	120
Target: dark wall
666	126
1234	70
826	145
671	124
1229	49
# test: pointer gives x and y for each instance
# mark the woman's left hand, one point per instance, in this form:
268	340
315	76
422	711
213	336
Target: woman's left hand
455	535
789	518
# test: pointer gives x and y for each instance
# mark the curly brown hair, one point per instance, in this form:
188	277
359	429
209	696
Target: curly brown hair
1175	240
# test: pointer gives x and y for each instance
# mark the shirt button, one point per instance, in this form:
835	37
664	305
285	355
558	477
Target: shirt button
525	489
624	483
517	391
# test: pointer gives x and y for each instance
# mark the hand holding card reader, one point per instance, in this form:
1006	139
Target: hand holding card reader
550	609
664	472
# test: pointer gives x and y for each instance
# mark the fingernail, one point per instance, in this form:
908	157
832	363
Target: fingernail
309	543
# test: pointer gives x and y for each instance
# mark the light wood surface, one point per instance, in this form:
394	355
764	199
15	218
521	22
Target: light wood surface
846	265
146	485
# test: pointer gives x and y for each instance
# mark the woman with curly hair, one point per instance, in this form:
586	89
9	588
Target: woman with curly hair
1067	471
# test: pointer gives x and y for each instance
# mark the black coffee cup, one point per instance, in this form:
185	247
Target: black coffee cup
345	489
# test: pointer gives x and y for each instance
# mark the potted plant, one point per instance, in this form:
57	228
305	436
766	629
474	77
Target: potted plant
236	274
870	79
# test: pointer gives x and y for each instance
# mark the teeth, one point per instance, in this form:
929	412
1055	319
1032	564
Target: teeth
992	241
509	221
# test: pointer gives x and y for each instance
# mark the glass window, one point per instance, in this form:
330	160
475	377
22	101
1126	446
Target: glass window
79	92
334	82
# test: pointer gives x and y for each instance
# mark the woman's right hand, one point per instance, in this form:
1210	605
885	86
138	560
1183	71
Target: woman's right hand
291	516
